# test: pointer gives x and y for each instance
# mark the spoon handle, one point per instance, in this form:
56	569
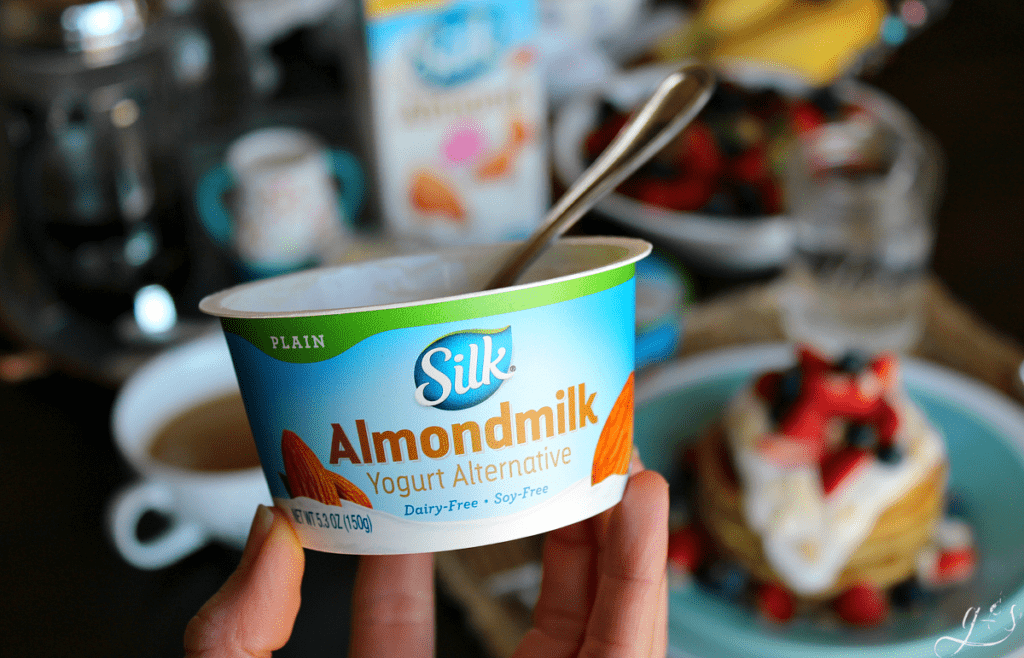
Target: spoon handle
675	103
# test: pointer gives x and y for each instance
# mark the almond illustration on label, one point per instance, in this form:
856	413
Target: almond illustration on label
306	476
499	164
615	445
429	193
496	166
348	491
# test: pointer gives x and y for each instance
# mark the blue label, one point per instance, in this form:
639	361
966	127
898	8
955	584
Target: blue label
461	370
462	44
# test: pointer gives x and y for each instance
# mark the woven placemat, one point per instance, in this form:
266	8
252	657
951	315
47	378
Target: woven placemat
496	584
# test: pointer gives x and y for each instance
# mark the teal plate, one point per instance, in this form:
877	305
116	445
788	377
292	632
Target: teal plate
984	432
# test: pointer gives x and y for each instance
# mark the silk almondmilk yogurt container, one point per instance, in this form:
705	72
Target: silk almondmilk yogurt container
398	409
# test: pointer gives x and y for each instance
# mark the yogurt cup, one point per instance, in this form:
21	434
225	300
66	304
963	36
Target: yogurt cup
398	409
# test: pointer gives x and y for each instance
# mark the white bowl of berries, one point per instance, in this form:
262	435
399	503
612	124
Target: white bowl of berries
715	195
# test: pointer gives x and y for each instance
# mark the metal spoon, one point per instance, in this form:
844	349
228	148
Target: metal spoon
675	103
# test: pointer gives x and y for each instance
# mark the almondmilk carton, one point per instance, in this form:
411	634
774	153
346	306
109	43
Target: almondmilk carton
457	98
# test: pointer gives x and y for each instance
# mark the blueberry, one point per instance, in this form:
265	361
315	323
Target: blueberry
605	111
725	578
720	203
909	594
792	380
889	454
726	99
956	506
660	169
728	140
778	412
767	103
853	361
748	198
789	391
680	486
859	435
827	101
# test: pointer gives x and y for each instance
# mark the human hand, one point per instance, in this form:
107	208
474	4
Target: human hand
604	592
252	614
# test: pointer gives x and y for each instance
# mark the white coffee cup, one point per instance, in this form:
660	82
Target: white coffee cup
201	506
286	206
281	200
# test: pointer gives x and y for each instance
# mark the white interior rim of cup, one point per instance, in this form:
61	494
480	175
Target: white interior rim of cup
251	148
631	250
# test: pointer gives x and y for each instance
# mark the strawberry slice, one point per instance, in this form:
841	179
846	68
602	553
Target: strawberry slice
751	165
805	117
840	465
956	565
699	153
683	194
938	568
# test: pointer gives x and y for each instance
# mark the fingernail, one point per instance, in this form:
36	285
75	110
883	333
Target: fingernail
635	463
261	524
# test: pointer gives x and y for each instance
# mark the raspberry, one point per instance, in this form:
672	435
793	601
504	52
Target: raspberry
862	605
775	602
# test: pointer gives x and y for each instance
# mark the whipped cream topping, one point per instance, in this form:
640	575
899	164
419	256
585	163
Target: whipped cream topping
809	536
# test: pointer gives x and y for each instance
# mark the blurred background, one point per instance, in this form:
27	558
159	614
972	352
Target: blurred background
126	196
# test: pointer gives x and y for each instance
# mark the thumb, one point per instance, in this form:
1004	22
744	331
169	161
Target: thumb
253	612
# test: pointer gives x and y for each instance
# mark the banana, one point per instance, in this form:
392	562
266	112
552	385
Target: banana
816	40
714	19
723	16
